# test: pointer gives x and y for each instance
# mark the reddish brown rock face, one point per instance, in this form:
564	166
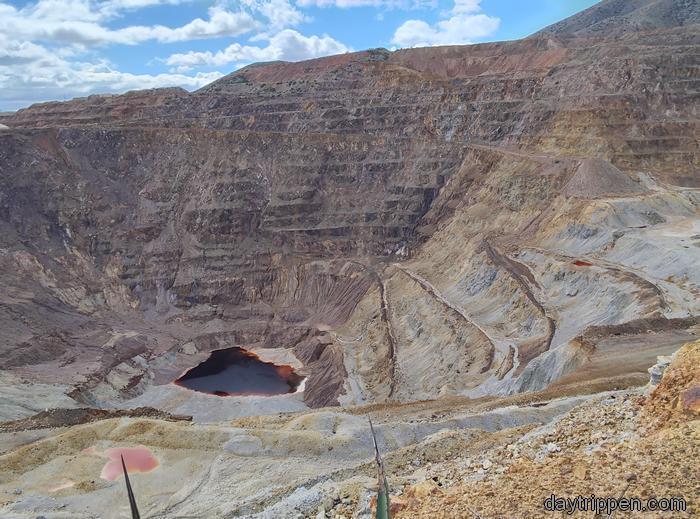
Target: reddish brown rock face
690	400
677	397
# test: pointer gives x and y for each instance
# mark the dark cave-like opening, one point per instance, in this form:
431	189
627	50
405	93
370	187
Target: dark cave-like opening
235	371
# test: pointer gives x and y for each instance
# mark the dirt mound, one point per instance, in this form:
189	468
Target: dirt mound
677	397
601	448
68	417
596	178
280	71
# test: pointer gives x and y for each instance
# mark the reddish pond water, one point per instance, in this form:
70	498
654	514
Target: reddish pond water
235	371
136	459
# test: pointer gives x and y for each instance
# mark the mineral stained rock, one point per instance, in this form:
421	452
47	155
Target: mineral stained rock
395	226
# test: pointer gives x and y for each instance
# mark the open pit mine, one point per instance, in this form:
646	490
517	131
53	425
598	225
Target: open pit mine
483	248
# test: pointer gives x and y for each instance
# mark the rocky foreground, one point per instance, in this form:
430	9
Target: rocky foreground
444	459
631	443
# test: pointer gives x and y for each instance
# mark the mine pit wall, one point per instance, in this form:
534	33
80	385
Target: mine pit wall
532	299
290	200
264	289
211	202
157	212
240	228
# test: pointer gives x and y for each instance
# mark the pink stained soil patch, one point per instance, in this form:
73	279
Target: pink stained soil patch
137	459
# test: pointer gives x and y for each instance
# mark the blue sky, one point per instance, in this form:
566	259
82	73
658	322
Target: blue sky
60	49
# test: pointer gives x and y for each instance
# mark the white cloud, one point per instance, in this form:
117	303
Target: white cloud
287	45
18	53
80	10
463	24
279	14
30	73
466	6
112	7
220	23
340	3
348	4
48	21
59	11
51	49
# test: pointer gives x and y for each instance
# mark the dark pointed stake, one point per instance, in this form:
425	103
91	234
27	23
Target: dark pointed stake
132	499
377	456
383	505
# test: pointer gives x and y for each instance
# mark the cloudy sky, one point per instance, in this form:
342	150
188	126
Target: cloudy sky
60	49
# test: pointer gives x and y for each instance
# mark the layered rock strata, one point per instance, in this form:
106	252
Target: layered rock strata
396	225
